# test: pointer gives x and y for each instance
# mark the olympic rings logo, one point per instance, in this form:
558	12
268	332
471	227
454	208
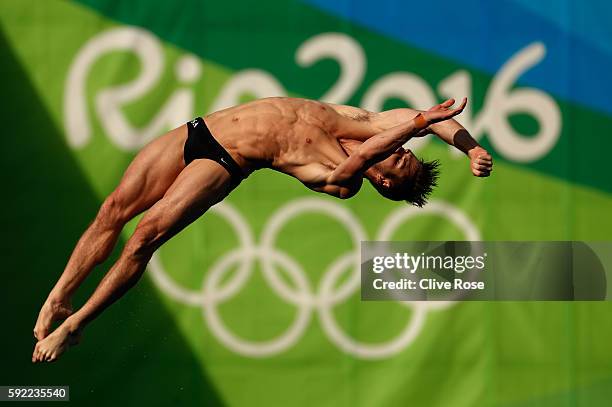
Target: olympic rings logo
307	300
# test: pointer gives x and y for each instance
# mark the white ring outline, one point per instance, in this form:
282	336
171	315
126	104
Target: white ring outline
351	345
239	345
193	297
311	205
304	299
452	213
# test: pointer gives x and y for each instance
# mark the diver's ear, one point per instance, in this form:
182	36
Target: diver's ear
385	182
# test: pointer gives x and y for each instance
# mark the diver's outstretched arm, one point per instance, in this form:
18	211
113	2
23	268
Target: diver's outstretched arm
450	131
383	144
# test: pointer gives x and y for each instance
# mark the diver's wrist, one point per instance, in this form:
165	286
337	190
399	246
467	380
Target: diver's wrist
420	122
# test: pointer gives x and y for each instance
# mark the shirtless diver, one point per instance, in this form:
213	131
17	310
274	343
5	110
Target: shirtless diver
178	176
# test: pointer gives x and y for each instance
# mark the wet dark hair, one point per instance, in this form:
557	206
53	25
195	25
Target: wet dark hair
418	188
424	181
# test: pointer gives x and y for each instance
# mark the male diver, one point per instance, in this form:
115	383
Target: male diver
178	176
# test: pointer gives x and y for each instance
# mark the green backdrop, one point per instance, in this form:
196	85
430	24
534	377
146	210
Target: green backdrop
86	83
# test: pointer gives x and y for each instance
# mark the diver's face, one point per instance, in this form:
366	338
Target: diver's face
398	168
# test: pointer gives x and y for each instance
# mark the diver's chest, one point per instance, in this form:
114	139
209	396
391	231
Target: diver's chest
317	147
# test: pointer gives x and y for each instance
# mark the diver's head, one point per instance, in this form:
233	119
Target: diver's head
404	177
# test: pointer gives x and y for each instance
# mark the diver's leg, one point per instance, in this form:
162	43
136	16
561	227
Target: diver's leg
145	181
199	186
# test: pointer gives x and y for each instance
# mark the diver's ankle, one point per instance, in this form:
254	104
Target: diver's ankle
73	325
59	300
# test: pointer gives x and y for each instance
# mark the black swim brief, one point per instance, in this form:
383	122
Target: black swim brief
201	144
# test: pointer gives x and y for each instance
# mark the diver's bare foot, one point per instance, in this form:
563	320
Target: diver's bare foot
50	312
52	347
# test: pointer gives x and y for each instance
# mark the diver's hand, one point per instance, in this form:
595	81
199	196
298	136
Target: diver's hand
481	162
443	111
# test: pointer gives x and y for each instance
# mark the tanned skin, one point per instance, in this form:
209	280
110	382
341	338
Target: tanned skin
329	148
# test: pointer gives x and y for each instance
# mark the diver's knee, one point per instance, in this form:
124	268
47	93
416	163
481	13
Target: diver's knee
114	212
145	240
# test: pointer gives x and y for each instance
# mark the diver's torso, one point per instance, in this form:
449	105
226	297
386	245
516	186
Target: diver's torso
286	134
